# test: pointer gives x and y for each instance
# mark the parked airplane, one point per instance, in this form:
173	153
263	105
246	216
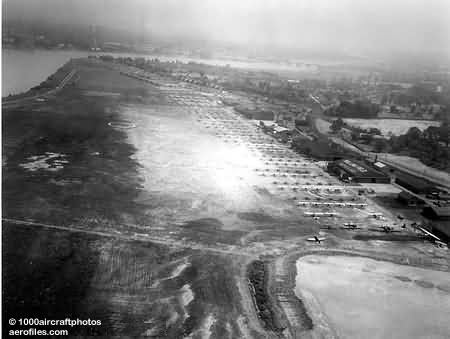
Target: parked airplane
350	226
386	229
320	214
316	239
376	215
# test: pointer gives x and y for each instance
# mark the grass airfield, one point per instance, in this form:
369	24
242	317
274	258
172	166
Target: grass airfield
143	203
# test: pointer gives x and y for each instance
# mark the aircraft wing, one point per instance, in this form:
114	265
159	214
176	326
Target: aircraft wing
429	233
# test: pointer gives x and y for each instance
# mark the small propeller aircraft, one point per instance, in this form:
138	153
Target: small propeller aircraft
320	214
350	226
385	229
377	215
316	239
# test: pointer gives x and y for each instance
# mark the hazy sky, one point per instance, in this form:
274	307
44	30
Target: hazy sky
357	27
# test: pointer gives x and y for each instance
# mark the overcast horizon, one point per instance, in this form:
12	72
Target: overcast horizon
357	28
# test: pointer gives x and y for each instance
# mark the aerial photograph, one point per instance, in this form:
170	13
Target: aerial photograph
273	169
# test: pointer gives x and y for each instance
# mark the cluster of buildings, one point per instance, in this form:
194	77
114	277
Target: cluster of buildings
432	200
412	111
356	171
280	133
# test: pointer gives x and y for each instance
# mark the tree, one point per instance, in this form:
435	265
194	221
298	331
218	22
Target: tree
379	145
444	133
375	131
354	136
337	125
357	109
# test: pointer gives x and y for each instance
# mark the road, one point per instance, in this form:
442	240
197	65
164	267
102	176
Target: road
134	237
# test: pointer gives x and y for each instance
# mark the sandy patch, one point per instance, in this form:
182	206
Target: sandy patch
204	332
206	327
186	298
49	161
178	270
186	295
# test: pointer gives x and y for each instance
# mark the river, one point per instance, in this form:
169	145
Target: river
364	298
23	69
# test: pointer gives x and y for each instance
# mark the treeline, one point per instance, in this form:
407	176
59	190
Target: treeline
417	94
430	146
319	148
338	124
358	109
257	276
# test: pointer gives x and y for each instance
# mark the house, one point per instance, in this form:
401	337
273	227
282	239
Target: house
282	133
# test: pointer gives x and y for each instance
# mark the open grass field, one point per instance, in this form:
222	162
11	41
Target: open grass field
391	126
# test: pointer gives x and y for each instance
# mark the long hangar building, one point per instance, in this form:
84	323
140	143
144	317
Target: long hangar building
357	171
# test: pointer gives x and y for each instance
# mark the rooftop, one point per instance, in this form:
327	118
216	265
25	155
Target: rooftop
358	169
413	183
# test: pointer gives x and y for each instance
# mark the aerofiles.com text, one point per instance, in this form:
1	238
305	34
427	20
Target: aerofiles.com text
37	327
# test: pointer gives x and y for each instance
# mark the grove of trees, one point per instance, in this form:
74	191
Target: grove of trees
357	109
430	146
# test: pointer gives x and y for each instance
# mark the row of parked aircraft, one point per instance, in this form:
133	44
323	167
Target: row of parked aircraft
387	229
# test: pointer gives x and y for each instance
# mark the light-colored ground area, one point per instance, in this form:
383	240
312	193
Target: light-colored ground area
323	126
193	173
364	298
416	167
391	126
49	161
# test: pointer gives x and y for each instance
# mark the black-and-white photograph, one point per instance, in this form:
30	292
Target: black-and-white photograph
225	169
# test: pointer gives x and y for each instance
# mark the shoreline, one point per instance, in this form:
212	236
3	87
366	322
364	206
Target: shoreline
45	88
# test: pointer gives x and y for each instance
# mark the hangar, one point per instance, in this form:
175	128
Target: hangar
356	171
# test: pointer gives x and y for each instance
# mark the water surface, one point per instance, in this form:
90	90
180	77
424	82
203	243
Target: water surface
364	298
